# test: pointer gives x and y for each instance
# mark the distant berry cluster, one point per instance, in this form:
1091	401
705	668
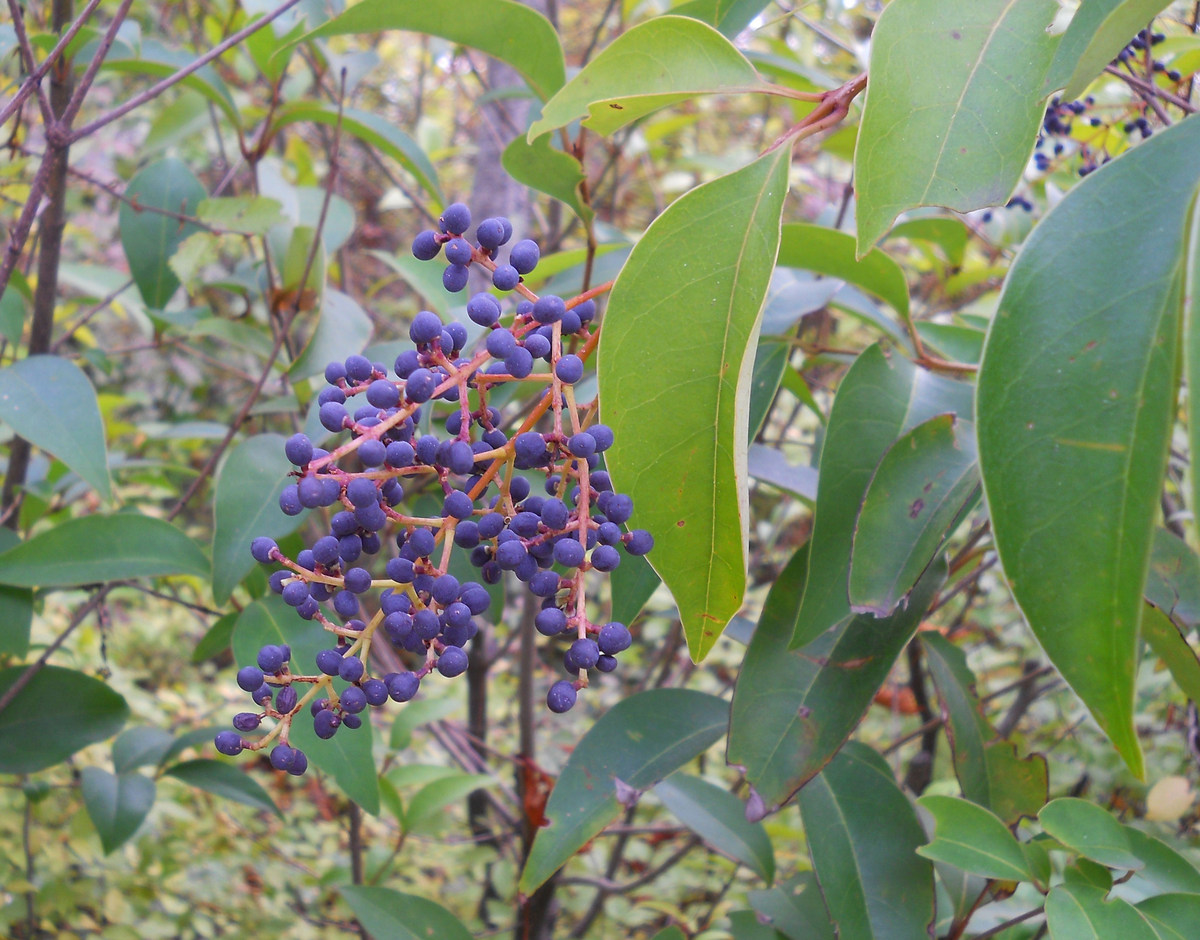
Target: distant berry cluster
481	469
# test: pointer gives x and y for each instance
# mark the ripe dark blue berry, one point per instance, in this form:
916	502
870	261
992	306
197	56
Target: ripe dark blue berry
524	256
452	662
229	743
249	678
298	449
426	246
505	277
456	219
261	549
458	251
561	696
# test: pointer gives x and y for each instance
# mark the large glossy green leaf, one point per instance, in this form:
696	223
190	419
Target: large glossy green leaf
347	755
51	403
988	769
881	397
150	238
57	712
116	804
863	836
140	746
793	709
1090	830
974	839
639	741
223	780
246	505
1097	32
719	818
1173	584
663	61
1075	407
505	29
1173	648
371	129
93	549
1080	912
830	252
384	912
922	490
16	608
543	167
716	248
1163	869
1173	916
957	135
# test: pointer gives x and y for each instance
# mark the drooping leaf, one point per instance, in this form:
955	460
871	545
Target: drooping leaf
116	804
863	835
246	505
384	912
216	640
974	839
50	402
16	608
554	172
427	803
509	31
968	142
342	330
93	549
830	252
1173	585
770	361
1081	912
150	238
223	780
719	818
1089	830
1097	32
639	741
1075	406
1164	869
879	399
716	246
923	488
347	755
663	61
795	909
1173	648
55	714
1173	916
156	60
793	709
139	747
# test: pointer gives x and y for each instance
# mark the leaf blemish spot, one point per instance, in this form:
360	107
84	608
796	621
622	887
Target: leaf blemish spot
955	34
803	711
915	509
681	523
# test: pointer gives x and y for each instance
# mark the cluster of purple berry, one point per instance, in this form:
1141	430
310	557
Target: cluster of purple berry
481	470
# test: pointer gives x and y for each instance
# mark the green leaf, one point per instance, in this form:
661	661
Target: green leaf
949	234
16	608
768	465
716	247
863	835
663	61
93	549
55	714
342	329
140	747
729	16
223	780
246	505
632	584
427	803
670	933
828	251
793	709
422	277
795	909
347	756
509	31
541	166
770	361
246	215
414	714
968	141
1173	916
1080	912
1173	649
158	61
1164	869
719	818
1089	830
150	238
988	769
216	640
371	129
50	402
13	308
116	804
974	839
1173	585
638	741
1086	872
1097	32
926	484
384	912
880	398
1078	384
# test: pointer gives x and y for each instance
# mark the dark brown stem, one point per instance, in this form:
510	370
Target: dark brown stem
920	768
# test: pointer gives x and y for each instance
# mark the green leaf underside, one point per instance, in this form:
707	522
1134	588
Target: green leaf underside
1075	406
1089	830
863	835
541	166
50	402
974	839
719	818
830	252
958	135
347	755
1097	32
988	769
224	780
793	709
116	804
677	56
1080	912
385	912
921	491
150	238
687	476
639	741
509	31
42	726
881	397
